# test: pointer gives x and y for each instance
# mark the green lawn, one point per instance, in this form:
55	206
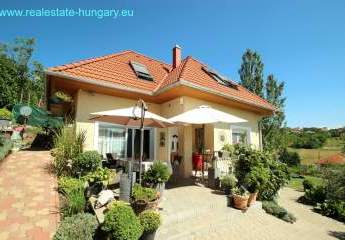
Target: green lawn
296	183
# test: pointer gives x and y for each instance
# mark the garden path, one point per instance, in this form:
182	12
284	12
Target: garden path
28	198
194	212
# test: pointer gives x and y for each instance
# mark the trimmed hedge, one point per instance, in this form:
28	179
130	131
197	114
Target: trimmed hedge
5	148
81	226
271	207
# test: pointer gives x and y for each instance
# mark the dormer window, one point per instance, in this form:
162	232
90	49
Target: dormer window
219	78
141	71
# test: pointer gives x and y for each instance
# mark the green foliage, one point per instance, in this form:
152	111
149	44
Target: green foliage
5	114
74	202
290	158
81	226
122	224
150	220
73	192
309	139
334	209
100	175
69	184
240	191
257	178
158	173
315	194
307	184
86	162
274	135
5	147
228	181
68	145
229	148
251	72
142	193
20	77
249	158
271	207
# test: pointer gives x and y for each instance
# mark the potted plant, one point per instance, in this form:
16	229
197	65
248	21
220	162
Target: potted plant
144	198
240	198
228	182
255	181
120	222
157	175
150	221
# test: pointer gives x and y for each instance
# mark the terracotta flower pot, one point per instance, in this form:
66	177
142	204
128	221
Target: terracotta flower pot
252	198
141	205
240	202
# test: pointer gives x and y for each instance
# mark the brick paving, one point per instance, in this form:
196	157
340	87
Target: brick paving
193	212
28	197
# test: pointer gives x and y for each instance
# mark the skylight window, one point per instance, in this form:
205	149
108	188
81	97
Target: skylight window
219	78
141	71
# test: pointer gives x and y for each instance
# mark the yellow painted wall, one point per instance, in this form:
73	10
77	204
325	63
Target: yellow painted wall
92	102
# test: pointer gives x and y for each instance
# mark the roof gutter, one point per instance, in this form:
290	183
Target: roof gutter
98	82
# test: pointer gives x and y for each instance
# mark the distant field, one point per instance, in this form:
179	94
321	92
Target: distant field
297	183
310	156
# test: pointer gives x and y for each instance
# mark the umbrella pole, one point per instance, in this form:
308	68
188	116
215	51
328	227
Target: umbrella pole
141	139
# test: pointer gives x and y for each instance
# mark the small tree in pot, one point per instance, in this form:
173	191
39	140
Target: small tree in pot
150	221
228	182
255	181
157	175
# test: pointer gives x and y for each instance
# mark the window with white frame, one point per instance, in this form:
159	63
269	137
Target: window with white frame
240	135
123	141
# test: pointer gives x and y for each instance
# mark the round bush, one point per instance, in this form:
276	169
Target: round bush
81	226
150	220
122	224
86	162
158	173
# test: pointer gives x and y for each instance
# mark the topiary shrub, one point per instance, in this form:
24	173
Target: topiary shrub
81	226
150	220
158	173
121	223
143	193
86	162
271	207
228	181
307	184
334	209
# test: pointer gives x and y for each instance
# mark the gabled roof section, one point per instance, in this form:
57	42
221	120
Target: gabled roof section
116	69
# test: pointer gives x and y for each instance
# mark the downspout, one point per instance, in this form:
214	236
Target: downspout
260	136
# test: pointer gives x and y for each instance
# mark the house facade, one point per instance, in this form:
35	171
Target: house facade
119	80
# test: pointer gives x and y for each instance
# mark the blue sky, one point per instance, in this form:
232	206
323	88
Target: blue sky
301	42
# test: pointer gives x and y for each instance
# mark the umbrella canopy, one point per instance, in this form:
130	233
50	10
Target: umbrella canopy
205	115
131	117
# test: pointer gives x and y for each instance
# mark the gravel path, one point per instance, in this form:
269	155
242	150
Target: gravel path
194	212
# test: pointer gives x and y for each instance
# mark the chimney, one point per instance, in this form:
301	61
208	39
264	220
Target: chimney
176	56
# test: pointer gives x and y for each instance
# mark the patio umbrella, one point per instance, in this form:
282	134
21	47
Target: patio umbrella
205	115
131	117
134	116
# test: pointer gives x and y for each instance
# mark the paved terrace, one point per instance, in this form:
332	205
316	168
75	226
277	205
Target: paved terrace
194	212
28	200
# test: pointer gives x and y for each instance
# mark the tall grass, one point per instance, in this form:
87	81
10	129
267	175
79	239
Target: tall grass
68	144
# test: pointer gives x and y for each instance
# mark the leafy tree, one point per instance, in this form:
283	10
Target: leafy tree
274	135
23	79
251	72
9	80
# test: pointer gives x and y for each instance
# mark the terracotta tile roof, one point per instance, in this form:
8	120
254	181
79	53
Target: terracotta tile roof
333	159
115	68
